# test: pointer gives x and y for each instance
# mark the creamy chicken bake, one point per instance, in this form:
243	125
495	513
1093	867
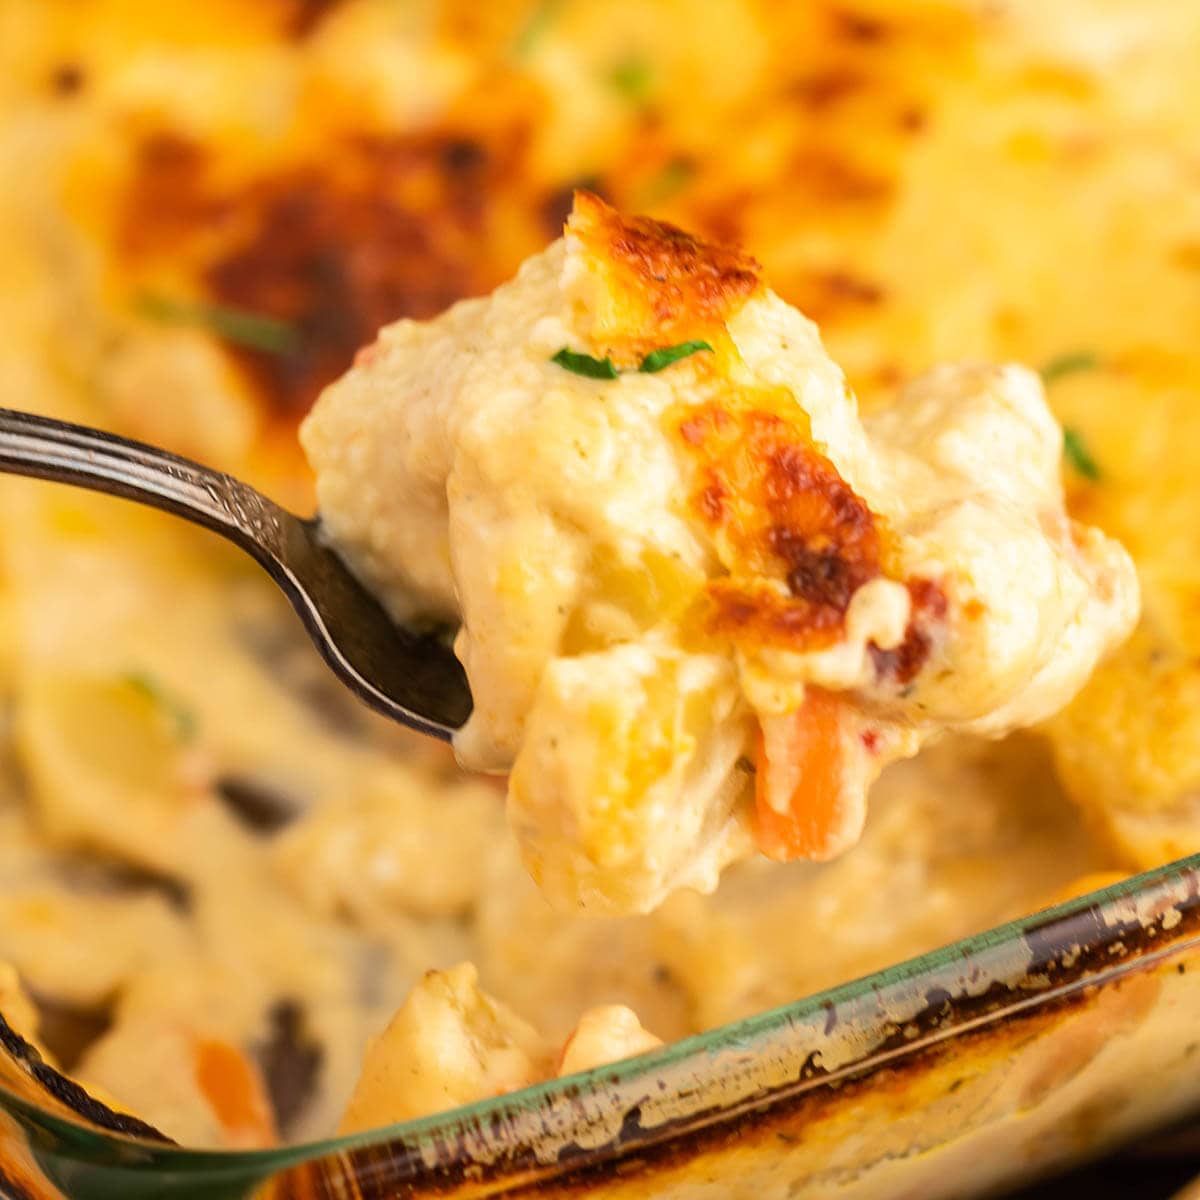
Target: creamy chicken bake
643	487
220	881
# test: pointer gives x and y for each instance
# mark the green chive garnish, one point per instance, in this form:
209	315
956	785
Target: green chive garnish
179	714
657	359
585	364
235	325
541	16
1076	453
634	79
673	178
1069	364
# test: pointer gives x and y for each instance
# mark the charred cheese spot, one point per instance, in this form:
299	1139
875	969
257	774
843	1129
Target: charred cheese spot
858	27
336	265
824	89
828	178
67	79
167	198
830	295
661	285
779	513
929	608
303	16
389	227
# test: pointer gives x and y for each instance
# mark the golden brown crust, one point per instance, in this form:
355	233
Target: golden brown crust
665	285
779	513
334	251
166	196
303	16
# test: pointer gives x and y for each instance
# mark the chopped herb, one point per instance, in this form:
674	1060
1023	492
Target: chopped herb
672	179
1069	364
657	359
585	364
181	716
634	79
541	16
605	368
251	330
1076	453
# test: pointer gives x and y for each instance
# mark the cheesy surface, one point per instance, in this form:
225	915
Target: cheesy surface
646	562
207	208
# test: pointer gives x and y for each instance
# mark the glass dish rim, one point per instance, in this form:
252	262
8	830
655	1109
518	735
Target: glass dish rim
428	1131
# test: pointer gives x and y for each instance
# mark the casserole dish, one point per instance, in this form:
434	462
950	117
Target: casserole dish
208	208
987	1062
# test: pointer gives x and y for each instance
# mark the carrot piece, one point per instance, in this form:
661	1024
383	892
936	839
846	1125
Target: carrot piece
800	757
234	1089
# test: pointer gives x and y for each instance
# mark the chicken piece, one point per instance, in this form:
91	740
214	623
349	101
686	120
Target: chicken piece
1128	750
604	1035
448	1044
702	602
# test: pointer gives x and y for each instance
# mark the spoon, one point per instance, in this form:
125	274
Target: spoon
413	678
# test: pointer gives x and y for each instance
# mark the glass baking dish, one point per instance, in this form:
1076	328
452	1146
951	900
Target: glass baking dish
990	1061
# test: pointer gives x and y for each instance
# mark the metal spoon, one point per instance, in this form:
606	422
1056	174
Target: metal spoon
412	678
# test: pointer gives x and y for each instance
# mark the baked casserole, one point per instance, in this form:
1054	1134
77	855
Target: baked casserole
220	878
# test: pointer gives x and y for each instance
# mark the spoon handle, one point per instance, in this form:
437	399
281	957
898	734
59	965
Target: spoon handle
411	678
58	451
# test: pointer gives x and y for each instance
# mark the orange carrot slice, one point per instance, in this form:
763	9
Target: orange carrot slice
800	759
235	1091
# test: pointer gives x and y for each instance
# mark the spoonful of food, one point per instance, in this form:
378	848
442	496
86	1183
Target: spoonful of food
412	677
